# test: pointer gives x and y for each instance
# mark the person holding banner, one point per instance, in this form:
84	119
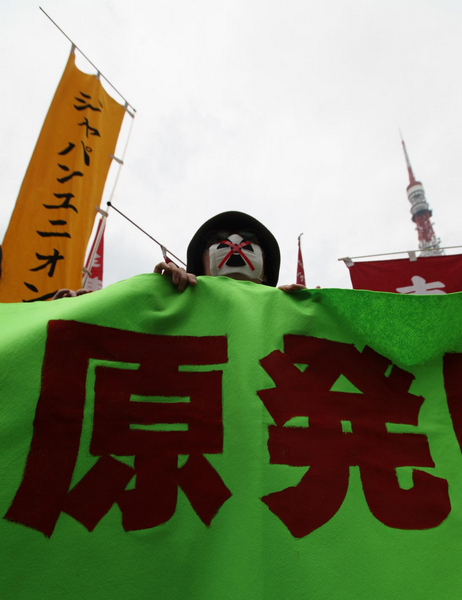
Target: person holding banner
232	244
65	293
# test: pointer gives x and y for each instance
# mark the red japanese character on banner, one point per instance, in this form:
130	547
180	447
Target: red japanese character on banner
173	412
452	371
329	451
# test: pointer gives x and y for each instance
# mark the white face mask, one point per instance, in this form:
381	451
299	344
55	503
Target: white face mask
234	255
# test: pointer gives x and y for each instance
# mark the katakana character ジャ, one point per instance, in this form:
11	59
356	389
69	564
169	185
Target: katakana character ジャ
329	451
84	103
175	413
88	128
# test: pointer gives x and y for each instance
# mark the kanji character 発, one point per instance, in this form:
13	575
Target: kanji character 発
329	451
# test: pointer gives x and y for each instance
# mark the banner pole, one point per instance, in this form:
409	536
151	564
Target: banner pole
120	161
345	258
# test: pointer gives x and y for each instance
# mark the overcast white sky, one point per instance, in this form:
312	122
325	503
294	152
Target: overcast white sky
288	110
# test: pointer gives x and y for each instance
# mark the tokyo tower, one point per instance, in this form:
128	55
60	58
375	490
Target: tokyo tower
429	244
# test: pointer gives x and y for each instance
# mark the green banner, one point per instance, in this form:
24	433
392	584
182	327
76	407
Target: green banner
231	442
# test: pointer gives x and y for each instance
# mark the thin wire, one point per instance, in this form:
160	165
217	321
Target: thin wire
145	233
75	46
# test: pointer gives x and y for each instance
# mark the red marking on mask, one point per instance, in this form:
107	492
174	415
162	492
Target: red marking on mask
236	248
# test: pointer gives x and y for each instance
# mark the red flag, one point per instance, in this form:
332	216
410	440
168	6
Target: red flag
95	278
300	269
426	275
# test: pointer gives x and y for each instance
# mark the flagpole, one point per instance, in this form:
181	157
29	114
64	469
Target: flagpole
351	258
104	214
127	104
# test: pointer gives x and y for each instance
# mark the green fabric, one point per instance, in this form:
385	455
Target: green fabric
246	552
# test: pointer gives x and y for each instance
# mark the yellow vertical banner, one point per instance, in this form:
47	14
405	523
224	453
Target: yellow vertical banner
44	246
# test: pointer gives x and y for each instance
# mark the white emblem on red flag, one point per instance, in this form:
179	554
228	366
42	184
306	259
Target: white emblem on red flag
420	286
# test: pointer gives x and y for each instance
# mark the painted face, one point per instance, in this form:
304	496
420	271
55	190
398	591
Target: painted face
235	254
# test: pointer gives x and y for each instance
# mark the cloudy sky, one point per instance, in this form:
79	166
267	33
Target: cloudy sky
289	110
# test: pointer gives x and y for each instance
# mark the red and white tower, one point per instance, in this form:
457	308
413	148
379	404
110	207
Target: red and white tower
421	213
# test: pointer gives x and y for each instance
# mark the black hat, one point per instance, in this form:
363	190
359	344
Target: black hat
235	221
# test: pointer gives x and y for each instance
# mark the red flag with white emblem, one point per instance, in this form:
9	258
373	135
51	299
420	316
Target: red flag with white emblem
425	275
300	269
95	278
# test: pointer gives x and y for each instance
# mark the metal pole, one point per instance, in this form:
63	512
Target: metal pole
392	253
104	213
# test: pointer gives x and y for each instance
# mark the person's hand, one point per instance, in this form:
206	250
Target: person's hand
65	293
292	287
179	276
